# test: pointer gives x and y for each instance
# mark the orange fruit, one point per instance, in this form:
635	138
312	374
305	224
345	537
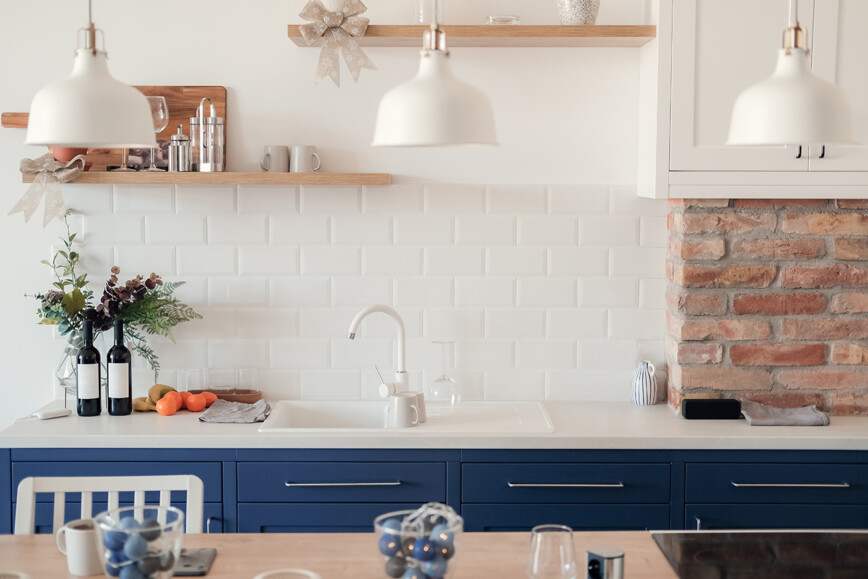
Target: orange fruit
174	397
184	396
196	403
166	406
210	397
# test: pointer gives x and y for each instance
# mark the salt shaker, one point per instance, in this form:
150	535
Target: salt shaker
179	151
644	391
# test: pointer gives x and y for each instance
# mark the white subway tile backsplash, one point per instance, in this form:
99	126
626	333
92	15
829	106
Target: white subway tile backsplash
637	324
238	291
325	322
516	262
452	261
361	230
268	259
393	199
194	292
424	230
205	199
653	231
612	231
111	229
517	199
361	354
215	323
140	259
451	324
354	291
609	292
579	200
652	293
547	231
299	229
182	354
484	354
325	199
279	384
625	201
455	199
174	229
303	354
488	291
514	385
237	353
330	385
269	323
144	198
644	262
392	261
265	199
382	326
546	292
576	323
300	292
510	323
579	261
608	354
237	229
429	292
591	385
486	230
545	354
88	199
205	260
330	261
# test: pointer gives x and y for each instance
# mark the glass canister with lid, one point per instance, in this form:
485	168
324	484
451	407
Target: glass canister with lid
206	139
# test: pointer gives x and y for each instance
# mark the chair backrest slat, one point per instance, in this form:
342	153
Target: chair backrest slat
25	511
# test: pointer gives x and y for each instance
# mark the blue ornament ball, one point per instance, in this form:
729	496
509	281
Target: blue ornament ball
442	536
389	544
114	540
424	549
135	547
435	568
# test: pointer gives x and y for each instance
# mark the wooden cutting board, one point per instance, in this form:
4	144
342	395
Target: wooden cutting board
182	100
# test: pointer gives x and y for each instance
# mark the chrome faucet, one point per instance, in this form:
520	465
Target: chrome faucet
401	379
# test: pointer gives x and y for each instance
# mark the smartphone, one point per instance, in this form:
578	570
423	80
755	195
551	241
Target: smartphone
194	562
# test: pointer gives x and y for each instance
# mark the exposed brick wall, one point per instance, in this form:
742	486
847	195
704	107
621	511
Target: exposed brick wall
768	300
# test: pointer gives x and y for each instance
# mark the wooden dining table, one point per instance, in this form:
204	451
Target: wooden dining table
353	555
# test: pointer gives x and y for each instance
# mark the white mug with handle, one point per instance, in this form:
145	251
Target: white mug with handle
304	159
77	540
275	159
401	410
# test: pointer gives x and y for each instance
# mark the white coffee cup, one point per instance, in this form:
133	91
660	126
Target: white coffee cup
401	410
304	159
77	540
420	406
275	159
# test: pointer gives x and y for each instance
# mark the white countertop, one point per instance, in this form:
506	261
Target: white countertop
579	425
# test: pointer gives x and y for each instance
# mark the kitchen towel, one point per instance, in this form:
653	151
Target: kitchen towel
223	411
758	414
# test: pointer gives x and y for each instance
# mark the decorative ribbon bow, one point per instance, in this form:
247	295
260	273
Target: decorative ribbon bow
49	176
342	25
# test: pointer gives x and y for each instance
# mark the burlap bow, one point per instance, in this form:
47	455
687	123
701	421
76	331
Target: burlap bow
337	30
49	176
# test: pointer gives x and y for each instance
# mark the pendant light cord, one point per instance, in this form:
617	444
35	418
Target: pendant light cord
794	12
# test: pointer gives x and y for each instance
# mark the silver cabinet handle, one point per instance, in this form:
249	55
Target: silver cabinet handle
793	485
345	484
618	485
208	524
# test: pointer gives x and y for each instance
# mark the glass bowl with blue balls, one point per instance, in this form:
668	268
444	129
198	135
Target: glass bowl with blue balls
140	542
419	544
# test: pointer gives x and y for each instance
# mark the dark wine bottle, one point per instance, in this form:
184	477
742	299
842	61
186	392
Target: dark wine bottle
120	375
88	375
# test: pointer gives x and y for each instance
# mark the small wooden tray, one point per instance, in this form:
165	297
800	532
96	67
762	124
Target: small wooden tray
235	395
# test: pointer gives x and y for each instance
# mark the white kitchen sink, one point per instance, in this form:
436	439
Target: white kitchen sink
369	416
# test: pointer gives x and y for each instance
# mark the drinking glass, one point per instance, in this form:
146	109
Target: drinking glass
160	116
503	12
445	387
552	555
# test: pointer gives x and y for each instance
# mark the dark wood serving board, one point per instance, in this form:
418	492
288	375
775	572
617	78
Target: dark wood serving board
182	101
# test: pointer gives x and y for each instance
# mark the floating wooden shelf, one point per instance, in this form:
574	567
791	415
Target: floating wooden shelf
504	36
165	178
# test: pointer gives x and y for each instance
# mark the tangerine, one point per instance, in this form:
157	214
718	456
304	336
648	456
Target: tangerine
166	406
210	397
196	403
174	397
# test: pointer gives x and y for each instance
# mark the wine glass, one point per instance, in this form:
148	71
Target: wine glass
444	388
160	116
552	555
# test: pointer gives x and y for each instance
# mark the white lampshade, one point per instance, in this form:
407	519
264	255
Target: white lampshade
793	107
434	109
90	109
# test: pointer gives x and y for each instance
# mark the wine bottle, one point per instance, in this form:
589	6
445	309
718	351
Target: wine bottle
120	396
88	375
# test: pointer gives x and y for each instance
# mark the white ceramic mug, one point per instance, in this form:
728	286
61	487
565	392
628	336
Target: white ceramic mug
420	406
77	540
275	159
401	410
288	574
304	159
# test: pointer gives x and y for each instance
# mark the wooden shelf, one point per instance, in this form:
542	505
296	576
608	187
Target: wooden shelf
504	36
165	178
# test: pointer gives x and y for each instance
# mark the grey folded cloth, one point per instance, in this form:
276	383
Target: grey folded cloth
223	411
758	414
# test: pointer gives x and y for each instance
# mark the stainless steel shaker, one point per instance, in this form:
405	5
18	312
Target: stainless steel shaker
179	151
206	136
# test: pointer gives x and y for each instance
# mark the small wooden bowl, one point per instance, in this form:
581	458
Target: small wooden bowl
234	395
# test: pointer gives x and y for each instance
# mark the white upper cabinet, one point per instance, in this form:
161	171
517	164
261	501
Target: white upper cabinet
706	54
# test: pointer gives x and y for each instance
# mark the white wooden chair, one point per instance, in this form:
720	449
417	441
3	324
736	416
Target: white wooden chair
25	506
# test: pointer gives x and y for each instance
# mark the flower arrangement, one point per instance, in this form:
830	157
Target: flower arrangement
147	306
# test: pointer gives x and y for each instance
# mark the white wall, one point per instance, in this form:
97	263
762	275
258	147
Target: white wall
565	116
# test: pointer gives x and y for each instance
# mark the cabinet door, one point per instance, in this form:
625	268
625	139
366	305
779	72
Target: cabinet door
733	517
718	50
840	46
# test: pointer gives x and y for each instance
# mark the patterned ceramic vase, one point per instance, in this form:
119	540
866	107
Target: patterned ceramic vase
644	384
578	11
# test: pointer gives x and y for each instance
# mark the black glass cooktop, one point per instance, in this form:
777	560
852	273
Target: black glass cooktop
766	554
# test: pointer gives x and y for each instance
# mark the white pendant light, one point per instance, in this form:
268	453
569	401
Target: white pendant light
434	109
90	108
793	107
